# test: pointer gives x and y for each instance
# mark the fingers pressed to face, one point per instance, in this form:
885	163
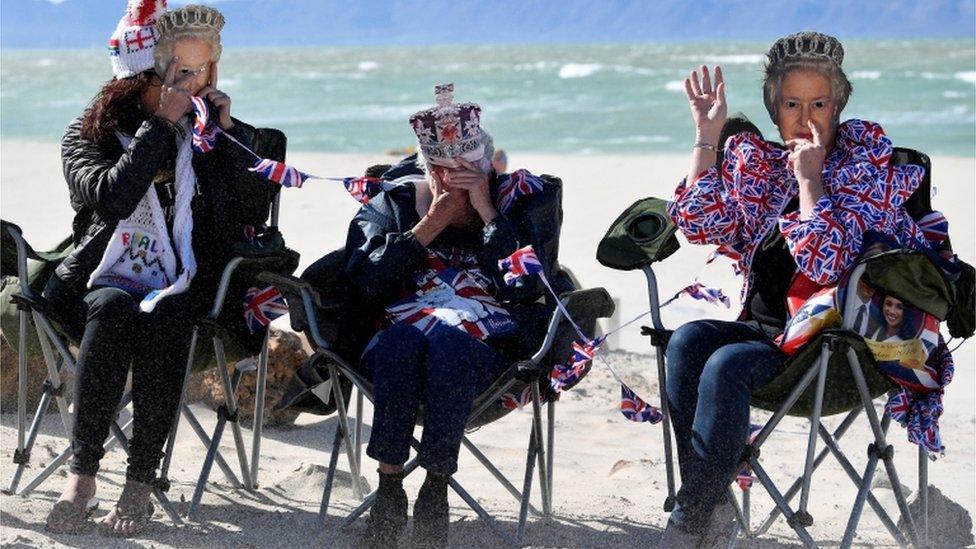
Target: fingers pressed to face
213	74
171	71
815	131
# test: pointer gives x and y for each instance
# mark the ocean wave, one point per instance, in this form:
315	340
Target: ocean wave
966	76
953	94
732	59
675	86
638	139
866	75
578	70
366	66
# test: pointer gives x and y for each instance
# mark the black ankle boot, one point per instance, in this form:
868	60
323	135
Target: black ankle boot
431	513
388	515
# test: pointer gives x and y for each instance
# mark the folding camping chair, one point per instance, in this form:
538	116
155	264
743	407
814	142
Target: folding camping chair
847	380
585	306
34	309
251	259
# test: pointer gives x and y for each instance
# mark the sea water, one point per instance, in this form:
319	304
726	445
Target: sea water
564	99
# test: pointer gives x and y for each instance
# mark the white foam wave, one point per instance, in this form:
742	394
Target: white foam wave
734	59
578	70
365	66
866	75
953	95
675	86
639	139
966	76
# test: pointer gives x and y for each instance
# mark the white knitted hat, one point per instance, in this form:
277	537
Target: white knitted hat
131	46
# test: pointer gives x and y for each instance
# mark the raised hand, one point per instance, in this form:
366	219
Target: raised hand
219	99
808	158
707	102
174	97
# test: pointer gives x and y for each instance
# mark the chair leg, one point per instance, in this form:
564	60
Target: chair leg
205	439
483	459
662	378
482	513
53	374
802	514
540	451
526	485
780	502
230	401
923	490
330	475
258	425
368	500
551	446
340	401
21	453
880	449
358	432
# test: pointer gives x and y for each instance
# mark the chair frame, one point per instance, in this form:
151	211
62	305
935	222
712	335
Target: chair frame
878	449
540	447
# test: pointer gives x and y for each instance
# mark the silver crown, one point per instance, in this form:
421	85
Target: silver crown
194	17
806	45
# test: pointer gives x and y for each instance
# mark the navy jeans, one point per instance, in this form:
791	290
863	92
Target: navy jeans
443	371
713	368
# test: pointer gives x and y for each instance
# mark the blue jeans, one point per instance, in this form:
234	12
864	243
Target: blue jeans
713	368
444	371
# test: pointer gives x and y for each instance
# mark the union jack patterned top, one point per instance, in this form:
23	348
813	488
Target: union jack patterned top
736	206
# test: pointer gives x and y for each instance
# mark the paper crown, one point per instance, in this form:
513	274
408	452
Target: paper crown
806	45
449	129
131	46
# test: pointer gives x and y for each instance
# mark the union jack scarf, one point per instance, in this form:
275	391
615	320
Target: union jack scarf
935	228
204	139
261	306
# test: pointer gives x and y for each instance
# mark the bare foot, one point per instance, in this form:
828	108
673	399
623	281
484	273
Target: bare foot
132	512
70	513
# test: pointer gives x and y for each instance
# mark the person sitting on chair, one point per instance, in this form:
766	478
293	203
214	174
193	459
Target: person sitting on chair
833	182
152	231
424	257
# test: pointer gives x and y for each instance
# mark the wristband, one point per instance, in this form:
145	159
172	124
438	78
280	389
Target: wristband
706	146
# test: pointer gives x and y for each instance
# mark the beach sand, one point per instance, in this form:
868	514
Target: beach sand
609	480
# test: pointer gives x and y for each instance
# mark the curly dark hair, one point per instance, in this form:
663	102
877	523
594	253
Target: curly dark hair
115	107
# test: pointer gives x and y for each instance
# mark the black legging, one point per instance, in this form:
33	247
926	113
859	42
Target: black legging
156	344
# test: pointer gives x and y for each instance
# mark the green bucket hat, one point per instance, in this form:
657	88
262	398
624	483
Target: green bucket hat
643	234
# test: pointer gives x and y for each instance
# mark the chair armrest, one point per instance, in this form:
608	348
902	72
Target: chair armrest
584	306
303	304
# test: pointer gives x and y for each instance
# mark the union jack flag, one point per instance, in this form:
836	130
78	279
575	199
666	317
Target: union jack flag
261	306
204	136
453	299
361	188
935	228
514	186
280	173
566	374
512	401
744	479
699	291
523	262
634	408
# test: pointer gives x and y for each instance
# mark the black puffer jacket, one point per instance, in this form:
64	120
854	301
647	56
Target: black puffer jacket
106	184
382	255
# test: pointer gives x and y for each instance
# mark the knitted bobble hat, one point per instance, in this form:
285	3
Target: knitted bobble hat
131	46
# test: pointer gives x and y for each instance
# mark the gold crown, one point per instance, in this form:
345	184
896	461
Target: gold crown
192	17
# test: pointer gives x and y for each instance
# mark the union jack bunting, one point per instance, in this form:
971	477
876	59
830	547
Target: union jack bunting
204	136
280	173
935	228
361	188
568	374
634	408
515	185
523	262
744	479
699	291
261	306
512	401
